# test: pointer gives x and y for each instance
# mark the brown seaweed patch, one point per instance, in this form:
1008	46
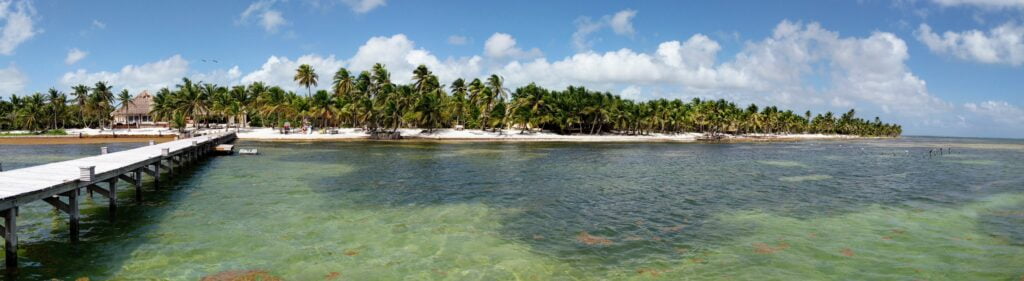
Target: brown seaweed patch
634	238
649	271
764	248
847	252
592	240
351	252
332	276
242	275
672	229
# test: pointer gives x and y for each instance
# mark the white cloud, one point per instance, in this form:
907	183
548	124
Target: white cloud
268	17
999	111
457	40
98	24
502	45
149	76
399	54
622	22
982	3
799	66
1003	44
280	71
584	27
12	80
18	26
782	69
364	6
75	55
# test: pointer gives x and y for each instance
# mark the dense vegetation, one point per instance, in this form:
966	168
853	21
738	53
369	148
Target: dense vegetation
371	100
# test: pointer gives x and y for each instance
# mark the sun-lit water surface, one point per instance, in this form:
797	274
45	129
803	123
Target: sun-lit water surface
867	210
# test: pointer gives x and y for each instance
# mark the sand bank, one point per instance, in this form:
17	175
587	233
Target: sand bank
516	135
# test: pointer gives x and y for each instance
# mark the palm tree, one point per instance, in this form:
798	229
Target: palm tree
306	76
497	92
81	93
191	101
125	98
164	105
103	101
57	103
458	101
31	111
343	83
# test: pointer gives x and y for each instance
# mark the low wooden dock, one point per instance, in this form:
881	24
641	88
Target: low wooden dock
60	184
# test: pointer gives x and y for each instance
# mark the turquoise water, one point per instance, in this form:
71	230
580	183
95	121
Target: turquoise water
817	210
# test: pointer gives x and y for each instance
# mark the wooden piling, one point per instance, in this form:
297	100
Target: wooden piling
10	233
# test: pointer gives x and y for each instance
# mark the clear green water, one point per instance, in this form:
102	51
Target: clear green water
850	210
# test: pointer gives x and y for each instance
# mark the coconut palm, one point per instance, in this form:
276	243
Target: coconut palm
125	99
103	101
306	76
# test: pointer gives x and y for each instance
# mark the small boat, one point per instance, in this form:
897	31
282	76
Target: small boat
248	151
225	149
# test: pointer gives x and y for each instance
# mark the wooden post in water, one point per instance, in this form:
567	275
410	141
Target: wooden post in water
138	184
86	174
103	150
73	213
112	197
10	233
165	154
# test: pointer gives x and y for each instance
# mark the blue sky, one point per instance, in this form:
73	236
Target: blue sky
939	67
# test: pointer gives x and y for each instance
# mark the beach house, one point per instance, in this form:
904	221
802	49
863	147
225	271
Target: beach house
136	114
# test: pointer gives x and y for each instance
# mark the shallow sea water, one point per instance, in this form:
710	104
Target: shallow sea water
814	210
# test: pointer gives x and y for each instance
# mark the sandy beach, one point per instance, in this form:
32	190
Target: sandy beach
473	135
352	134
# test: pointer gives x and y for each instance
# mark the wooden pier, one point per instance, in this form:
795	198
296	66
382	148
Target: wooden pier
60	184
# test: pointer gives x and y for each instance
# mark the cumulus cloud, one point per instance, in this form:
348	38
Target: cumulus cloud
281	70
399	54
19	24
1003	44
75	55
503	45
364	6
264	13
622	22
98	24
457	40
798	66
982	3
12	80
998	111
149	76
780	69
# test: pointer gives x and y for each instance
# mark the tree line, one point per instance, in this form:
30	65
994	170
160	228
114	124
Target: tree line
372	101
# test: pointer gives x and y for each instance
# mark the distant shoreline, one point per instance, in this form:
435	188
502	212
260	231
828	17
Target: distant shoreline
450	135
88	136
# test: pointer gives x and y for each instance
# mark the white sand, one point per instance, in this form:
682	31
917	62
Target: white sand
514	135
123	132
458	135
